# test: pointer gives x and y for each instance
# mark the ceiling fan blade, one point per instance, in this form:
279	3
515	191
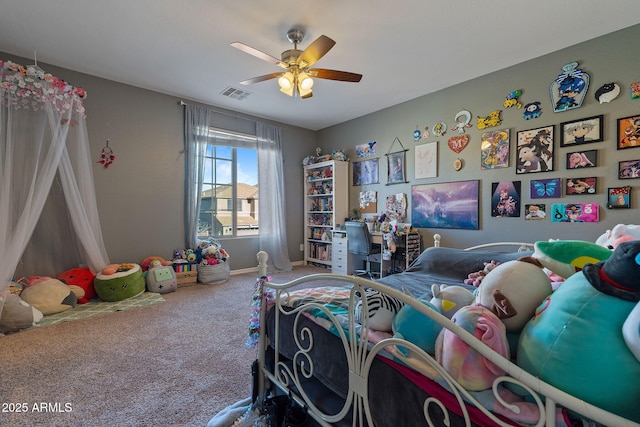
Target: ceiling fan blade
342	76
315	51
258	54
261	78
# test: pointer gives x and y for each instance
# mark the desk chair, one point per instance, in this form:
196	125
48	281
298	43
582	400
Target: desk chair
360	243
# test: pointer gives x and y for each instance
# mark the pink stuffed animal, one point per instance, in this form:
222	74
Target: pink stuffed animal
476	278
619	234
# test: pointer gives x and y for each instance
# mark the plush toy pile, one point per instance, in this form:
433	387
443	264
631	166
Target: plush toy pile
23	303
208	252
569	314
211	259
211	253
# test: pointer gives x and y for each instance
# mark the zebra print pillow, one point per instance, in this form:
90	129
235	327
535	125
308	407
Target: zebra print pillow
379	312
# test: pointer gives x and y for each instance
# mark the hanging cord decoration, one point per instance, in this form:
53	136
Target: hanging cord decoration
106	157
256	306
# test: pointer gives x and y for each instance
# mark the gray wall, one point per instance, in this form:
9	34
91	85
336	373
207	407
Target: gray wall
606	59
140	196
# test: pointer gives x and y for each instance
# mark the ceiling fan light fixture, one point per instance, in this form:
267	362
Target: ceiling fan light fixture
298	78
287	91
286	81
304	93
305	82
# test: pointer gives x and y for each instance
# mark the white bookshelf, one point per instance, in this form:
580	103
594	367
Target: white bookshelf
326	204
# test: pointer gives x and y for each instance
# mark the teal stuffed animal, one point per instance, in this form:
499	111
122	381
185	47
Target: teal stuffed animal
575	340
411	325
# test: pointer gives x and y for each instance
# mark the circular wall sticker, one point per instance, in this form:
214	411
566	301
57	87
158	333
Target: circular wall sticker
457	164
439	129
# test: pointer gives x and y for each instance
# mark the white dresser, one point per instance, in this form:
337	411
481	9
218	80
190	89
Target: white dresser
340	257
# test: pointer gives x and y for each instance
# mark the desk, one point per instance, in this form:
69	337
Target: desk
407	249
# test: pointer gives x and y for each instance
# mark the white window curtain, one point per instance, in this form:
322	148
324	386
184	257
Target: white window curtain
273	227
196	134
44	141
273	224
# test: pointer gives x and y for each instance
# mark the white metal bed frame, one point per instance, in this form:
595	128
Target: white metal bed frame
360	355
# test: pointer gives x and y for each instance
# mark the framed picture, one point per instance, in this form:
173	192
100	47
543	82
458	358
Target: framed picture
395	168
494	149
575	212
446	205
580	186
535	150
582	159
619	198
537	212
505	199
365	172
628	169
546	188
628	132
583	131
426	160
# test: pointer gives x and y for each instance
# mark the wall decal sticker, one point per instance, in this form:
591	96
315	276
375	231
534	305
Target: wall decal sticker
569	89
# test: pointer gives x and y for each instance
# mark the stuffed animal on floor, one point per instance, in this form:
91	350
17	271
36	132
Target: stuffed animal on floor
49	295
513	290
161	279
82	278
619	234
117	282
144	265
17	314
575	340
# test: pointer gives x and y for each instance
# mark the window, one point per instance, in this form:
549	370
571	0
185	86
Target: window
229	198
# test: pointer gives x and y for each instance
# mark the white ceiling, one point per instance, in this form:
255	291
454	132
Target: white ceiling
404	49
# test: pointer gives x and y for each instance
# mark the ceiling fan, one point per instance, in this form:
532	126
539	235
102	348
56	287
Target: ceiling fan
298	77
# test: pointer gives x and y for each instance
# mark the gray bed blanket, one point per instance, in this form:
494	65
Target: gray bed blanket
447	266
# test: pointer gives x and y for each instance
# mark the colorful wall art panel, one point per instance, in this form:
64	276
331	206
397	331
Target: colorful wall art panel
445	205
575	212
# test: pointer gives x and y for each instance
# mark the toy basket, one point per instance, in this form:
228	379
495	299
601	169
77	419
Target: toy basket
187	278
186	273
213	274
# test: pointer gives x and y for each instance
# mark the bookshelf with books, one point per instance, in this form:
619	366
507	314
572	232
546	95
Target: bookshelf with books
326	205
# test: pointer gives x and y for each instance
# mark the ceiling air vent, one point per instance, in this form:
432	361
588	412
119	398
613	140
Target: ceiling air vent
234	93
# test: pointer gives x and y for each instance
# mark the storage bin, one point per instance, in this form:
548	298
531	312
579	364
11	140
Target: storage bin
213	274
187	278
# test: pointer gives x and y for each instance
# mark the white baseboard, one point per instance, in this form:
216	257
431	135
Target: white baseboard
255	269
